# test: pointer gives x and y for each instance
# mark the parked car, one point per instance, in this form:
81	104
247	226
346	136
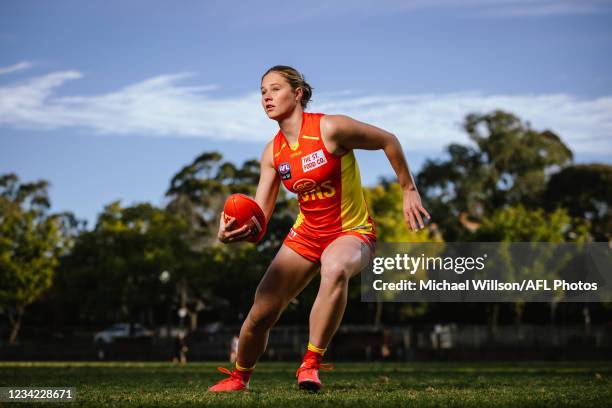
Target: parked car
109	335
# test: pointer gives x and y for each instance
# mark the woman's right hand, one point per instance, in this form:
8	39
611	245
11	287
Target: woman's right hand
228	235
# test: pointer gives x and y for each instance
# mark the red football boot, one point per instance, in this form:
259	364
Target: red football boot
235	382
308	373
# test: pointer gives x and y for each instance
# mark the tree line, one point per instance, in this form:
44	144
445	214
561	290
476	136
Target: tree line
146	263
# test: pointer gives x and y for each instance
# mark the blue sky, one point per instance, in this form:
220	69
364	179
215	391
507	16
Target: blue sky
108	100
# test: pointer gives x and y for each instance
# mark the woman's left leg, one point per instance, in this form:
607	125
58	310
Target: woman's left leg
344	258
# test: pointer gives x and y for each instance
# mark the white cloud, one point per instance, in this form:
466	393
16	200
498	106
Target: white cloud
429	122
162	106
14	68
157	107
252	14
543	8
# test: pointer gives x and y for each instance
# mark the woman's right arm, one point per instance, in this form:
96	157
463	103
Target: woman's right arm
269	182
267	192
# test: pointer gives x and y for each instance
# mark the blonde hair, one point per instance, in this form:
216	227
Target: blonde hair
295	79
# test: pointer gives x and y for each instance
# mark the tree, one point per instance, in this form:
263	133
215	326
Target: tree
197	194
30	243
586	191
508	164
520	224
386	204
198	191
385	201
114	271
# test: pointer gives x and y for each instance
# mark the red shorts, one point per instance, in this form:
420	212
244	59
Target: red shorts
312	248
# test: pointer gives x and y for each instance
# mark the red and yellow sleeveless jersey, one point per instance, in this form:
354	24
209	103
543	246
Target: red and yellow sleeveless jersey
328	187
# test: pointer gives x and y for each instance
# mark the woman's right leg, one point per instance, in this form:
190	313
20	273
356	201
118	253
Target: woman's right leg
286	277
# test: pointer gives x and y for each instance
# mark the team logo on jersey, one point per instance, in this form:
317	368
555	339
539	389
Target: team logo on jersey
313	160
319	192
304	185
285	171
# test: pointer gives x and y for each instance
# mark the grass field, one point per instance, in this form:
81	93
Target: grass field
350	384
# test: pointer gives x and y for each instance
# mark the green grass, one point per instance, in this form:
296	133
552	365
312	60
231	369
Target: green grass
350	384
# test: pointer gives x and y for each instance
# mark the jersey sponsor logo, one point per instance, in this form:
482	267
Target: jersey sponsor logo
313	160
304	185
284	169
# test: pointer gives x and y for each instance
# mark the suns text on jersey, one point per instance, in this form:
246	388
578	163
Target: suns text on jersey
320	192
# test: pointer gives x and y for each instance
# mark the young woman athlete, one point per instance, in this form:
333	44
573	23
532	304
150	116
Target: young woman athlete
334	235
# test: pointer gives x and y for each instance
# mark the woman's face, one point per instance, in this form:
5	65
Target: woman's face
277	97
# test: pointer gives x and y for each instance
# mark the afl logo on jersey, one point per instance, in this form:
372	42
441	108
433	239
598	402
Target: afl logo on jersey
284	170
304	185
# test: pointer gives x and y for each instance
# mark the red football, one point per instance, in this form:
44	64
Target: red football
246	211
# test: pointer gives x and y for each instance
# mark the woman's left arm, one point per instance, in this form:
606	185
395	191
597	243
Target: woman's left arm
343	133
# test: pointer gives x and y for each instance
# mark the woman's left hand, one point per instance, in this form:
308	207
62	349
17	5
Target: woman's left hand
413	209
